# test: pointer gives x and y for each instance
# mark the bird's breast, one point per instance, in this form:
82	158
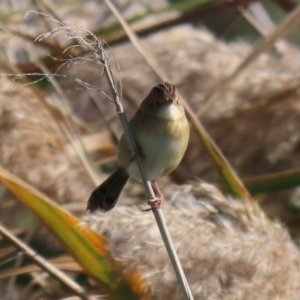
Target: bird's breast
163	144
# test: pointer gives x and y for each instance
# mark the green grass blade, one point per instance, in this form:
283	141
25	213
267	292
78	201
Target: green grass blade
87	247
273	182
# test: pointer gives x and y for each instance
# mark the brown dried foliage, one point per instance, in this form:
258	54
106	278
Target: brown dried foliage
225	254
33	146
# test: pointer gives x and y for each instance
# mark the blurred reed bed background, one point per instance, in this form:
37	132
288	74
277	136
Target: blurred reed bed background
60	136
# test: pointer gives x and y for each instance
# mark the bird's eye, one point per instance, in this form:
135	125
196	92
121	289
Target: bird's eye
156	103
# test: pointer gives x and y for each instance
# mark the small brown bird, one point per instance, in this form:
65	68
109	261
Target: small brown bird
161	131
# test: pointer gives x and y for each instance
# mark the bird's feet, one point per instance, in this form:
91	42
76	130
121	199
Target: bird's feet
155	203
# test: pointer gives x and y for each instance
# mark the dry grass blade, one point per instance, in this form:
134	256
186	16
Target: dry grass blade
290	23
65	263
259	14
48	8
46	44
70	130
232	180
45	265
196	11
80	150
6	250
99	141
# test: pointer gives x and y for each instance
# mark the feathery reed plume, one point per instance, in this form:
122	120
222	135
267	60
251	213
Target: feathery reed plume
225	255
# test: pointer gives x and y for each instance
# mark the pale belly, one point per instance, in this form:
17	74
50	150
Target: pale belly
162	156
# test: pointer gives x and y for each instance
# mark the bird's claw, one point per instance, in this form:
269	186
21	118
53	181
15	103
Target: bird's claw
154	203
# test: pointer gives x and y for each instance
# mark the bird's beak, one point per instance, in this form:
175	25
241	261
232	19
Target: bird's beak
169	102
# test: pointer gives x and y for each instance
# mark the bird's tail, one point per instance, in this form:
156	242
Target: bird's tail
106	195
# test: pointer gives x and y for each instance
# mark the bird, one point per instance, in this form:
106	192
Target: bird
161	131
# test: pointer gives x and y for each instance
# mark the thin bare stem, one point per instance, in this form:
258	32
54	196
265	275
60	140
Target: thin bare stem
157	212
18	263
49	268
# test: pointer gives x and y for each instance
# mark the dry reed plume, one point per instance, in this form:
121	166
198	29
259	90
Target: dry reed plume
225	253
